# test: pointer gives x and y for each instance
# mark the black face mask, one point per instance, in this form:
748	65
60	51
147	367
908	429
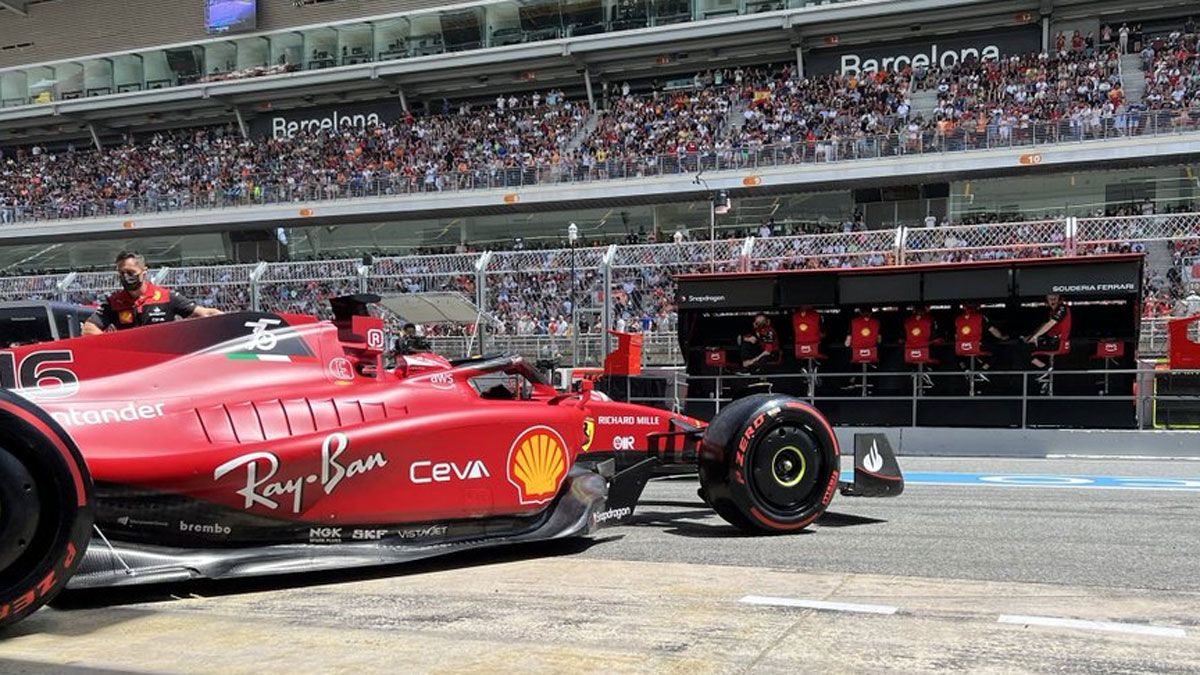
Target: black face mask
131	281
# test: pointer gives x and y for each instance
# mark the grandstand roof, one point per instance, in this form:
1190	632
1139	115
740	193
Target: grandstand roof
481	74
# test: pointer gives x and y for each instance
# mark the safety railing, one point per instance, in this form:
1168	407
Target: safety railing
345	183
536	301
1023	390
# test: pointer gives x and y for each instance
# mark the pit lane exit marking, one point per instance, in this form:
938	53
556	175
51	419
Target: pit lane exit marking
818	604
1048	481
1104	626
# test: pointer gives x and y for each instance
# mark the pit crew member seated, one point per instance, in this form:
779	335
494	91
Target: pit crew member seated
761	344
1054	332
139	302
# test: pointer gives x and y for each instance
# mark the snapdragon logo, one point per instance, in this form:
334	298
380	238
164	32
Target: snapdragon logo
281	127
854	64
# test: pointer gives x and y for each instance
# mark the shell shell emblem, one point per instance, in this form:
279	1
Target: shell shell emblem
125	316
916	331
537	464
865	332
966	330
803	328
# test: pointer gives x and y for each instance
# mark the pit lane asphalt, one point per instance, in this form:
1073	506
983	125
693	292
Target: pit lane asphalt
665	594
1079	536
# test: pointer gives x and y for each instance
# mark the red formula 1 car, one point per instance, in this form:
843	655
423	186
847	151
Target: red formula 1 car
255	444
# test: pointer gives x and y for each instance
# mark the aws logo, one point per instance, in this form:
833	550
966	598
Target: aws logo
537	464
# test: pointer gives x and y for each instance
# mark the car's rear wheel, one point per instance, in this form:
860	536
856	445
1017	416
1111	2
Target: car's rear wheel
46	508
769	463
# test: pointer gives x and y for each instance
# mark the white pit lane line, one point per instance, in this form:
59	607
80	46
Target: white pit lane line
818	604
1104	626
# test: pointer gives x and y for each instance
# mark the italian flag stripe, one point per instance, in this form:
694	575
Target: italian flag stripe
276	358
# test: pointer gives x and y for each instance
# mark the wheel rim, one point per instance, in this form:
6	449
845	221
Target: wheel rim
19	509
785	466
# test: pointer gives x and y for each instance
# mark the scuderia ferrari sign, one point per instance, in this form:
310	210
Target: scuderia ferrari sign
940	52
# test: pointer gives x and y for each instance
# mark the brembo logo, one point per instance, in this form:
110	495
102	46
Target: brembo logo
282	128
853	64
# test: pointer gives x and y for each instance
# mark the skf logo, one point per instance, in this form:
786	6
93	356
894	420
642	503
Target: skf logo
125	317
589	433
537	464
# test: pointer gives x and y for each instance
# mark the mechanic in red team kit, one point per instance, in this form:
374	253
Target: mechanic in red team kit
139	302
761	344
1054	332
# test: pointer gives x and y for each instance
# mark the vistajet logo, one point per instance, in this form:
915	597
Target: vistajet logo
281	127
853	64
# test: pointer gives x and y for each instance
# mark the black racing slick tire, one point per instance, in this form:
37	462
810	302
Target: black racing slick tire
46	508
769	464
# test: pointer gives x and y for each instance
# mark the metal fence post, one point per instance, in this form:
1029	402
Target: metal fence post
1072	225
364	271
64	284
901	244
606	265
255	290
744	257
481	265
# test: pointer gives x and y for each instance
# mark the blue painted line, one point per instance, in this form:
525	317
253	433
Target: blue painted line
1047	481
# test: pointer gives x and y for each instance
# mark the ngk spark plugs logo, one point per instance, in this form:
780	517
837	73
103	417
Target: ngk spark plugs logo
261	468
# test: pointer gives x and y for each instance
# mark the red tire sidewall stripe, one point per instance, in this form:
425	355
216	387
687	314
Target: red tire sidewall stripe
69	457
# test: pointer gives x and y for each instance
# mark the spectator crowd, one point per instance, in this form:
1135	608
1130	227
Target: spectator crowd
719	118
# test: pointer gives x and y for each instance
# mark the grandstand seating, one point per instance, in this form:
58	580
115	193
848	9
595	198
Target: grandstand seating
725	119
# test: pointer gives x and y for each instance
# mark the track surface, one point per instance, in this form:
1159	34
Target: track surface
931	575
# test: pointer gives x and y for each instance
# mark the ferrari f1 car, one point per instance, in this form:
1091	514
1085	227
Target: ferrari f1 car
257	444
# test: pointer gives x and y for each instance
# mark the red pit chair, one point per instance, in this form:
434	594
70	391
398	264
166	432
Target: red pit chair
714	357
919	357
1110	352
1047	380
968	343
864	356
810	354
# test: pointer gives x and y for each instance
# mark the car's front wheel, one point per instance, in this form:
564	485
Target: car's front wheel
769	464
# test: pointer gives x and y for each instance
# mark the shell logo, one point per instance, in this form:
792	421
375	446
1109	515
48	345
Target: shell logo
512	198
866	332
916	331
537	464
128	224
306	213
803	328
125	316
752	181
157	296
966	330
